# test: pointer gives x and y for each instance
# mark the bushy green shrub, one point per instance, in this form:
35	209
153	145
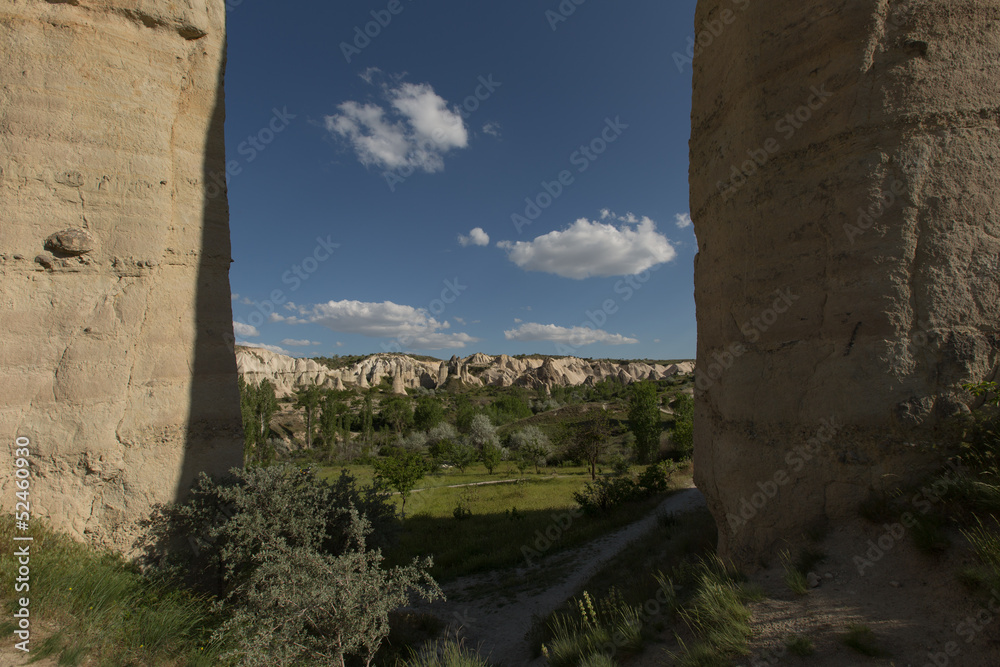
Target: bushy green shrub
293	560
300	604
602	495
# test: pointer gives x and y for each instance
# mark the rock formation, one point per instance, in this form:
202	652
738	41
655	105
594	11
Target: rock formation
286	373
844	194
117	334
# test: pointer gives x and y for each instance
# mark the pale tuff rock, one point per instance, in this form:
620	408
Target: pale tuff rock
287	373
117	338
844	194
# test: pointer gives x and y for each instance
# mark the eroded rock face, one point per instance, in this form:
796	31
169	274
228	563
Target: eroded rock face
116	343
844	191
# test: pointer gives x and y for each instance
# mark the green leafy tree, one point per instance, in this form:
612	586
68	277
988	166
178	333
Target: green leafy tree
644	420
428	413
401	471
367	420
334	422
508	408
683	430
491	455
257	405
462	455
593	440
308	399
465	412
396	413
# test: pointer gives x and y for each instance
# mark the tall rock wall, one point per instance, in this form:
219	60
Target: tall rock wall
116	343
844	189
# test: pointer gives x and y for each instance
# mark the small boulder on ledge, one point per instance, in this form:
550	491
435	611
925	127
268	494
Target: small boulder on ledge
72	242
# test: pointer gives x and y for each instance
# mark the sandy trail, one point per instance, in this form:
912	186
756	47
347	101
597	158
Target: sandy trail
494	611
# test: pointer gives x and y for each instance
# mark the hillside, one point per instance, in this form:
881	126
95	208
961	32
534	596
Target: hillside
406	372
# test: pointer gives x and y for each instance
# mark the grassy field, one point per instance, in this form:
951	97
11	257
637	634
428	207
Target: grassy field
498	520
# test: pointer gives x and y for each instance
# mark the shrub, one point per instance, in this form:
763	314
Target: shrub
293	561
300	604
602	495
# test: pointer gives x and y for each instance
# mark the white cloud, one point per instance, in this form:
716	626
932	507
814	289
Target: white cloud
272	348
245	330
683	220
233	297
532	331
247	301
412	327
292	342
476	237
459	320
517	320
415	130
339	344
586	249
492	129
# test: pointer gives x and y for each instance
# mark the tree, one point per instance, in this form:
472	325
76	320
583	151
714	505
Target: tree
464	414
308	399
396	413
482	431
367	420
462	455
509	407
531	446
683	433
257	405
428	414
593	439
334	421
401	471
491	455
644	420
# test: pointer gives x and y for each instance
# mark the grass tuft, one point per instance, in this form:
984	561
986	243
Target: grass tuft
861	639
800	645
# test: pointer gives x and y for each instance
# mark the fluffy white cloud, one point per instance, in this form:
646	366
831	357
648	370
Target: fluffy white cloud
476	237
587	248
492	129
292	342
683	220
412	327
245	330
576	336
272	348
415	130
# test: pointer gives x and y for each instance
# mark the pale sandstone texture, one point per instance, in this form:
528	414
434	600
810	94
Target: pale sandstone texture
848	274
116	344
286	373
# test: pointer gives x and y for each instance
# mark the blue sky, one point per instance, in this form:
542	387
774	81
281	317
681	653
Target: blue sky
480	176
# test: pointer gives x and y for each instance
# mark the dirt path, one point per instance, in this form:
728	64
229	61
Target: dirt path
494	611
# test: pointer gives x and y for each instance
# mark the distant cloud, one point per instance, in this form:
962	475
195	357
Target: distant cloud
246	301
492	129
683	220
233	297
271	348
245	330
292	342
476	237
459	320
416	130
587	248
413	327
517	320
576	336
339	344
